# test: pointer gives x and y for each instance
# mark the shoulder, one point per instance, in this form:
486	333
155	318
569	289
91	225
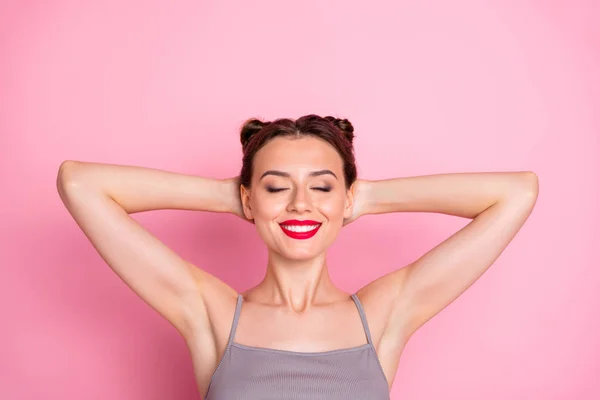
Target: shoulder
380	300
211	306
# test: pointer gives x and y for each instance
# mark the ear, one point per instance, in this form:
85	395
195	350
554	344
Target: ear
349	203
245	197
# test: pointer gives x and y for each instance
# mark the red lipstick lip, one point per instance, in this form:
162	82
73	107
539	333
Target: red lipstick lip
300	223
300	235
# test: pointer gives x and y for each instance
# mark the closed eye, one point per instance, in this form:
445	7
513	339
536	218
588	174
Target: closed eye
275	190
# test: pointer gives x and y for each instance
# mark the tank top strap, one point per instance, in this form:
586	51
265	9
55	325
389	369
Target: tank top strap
236	317
363	317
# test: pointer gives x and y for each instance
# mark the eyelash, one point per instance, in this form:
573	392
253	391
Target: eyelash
275	190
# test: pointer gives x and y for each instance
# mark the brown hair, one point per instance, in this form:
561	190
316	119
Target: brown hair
337	132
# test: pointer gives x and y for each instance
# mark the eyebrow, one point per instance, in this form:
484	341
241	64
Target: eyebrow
287	175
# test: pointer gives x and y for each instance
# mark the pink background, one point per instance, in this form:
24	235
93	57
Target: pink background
430	88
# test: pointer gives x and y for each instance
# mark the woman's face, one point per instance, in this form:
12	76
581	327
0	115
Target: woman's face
298	198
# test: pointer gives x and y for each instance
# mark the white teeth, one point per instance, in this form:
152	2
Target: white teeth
300	228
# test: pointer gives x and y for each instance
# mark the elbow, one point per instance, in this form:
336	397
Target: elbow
532	184
527	187
522	186
66	177
65	171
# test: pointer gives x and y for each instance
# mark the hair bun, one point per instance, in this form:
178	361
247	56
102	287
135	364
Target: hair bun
250	128
344	126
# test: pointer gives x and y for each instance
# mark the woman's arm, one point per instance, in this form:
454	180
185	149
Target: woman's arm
100	197
499	204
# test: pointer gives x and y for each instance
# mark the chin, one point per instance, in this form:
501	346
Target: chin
293	249
300	254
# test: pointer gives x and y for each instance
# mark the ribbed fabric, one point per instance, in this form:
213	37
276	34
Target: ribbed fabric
255	373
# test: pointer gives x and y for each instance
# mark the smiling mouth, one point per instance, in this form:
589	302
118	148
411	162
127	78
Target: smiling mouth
300	229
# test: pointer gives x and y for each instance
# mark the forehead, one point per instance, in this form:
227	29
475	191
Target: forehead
297	155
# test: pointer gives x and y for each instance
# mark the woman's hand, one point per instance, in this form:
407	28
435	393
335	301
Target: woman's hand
235	204
360	191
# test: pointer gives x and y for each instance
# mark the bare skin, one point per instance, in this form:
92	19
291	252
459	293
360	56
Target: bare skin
296	306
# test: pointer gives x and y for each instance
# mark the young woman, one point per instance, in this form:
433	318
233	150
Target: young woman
295	335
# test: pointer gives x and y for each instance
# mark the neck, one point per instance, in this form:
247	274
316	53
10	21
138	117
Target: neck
296	283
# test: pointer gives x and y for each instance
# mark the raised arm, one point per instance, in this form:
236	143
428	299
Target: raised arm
498	203
100	198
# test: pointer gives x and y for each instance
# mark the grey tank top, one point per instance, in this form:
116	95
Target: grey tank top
256	373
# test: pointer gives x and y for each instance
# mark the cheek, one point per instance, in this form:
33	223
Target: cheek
333	207
268	207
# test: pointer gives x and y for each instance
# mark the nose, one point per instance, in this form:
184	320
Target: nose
300	201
